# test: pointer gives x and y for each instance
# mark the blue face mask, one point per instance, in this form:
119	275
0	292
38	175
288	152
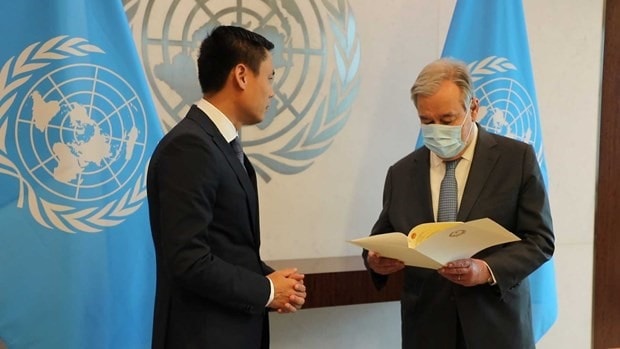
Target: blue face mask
445	140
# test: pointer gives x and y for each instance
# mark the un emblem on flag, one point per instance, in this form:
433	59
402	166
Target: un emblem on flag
73	135
506	106
316	60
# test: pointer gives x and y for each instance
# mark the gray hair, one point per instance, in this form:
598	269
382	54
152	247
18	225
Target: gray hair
436	72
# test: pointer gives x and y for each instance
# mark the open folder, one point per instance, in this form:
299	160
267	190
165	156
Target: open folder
432	245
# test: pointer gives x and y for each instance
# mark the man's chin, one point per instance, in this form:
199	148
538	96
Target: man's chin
251	122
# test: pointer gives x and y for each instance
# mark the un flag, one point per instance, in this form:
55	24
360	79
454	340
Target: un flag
491	37
77	126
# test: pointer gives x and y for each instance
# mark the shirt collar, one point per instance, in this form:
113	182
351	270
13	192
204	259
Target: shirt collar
221	121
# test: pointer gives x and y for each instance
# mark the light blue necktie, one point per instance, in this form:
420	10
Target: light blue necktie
448	194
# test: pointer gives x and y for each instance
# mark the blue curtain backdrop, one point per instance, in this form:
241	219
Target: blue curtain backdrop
491	37
77	127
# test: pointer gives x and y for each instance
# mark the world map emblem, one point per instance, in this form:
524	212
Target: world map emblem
73	135
506	106
316	58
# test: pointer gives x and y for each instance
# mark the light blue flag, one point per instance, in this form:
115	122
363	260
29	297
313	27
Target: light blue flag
77	127
490	36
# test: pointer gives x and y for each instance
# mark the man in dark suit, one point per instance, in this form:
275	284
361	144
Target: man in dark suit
213	289
479	302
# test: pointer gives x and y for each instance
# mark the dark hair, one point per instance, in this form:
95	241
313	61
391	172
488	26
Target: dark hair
226	47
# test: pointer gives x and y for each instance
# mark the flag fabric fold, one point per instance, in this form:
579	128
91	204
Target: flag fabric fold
77	127
490	36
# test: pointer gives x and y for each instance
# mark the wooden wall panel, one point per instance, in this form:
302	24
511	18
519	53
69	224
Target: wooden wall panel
606	303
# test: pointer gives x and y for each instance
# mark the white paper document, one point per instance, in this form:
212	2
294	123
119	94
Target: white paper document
432	245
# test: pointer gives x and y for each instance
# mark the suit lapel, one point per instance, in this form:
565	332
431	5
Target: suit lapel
485	158
247	179
420	184
251	175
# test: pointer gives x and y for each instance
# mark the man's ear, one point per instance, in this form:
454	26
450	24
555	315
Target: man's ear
475	109
240	75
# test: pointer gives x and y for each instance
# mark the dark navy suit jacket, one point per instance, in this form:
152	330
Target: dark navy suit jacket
211	286
504	184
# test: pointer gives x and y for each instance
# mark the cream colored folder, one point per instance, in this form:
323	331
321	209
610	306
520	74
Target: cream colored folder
432	245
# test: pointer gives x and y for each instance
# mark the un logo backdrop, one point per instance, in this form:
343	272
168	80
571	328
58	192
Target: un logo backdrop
77	125
506	106
316	58
77	141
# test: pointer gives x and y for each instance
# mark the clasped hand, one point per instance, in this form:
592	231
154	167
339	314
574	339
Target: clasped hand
289	290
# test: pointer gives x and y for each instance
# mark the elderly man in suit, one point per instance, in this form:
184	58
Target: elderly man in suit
213	290
484	301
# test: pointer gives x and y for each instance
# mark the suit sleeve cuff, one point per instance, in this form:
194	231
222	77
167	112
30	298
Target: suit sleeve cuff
271	293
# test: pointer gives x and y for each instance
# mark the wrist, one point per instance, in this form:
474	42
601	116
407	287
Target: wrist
490	279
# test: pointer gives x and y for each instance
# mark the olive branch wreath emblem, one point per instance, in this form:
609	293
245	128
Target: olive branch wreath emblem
494	65
314	139
15	73
488	66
